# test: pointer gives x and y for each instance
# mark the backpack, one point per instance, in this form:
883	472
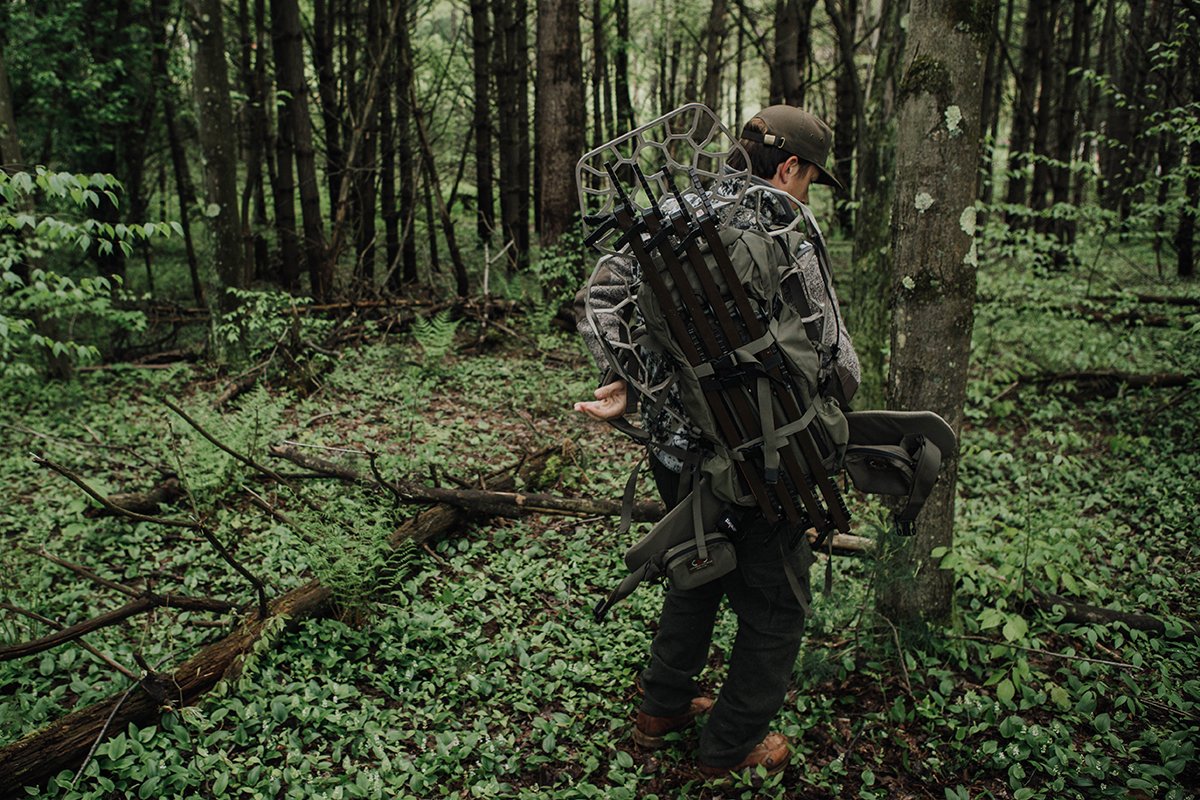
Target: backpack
728	308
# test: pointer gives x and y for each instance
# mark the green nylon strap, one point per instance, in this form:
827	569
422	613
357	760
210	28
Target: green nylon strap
698	517
792	580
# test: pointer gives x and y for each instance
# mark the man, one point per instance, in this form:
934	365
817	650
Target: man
787	149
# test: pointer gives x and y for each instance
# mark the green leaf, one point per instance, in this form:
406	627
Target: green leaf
1005	691
1015	628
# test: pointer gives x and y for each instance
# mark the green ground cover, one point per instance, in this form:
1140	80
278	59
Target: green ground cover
477	670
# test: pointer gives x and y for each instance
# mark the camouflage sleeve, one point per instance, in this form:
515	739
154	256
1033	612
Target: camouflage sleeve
605	293
834	332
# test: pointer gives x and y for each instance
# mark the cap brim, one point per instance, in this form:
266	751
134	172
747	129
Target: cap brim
828	178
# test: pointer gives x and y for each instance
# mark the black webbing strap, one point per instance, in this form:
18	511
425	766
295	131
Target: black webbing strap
928	460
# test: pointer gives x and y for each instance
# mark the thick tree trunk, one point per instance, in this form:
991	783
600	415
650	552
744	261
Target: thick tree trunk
560	125
289	71
868	315
214	119
933	286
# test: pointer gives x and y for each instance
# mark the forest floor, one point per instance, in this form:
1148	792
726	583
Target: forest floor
474	668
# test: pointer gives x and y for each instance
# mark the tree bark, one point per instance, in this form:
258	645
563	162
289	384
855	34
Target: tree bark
933	275
215	121
1119	165
560	124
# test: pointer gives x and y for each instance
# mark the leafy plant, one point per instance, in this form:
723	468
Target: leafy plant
49	319
435	335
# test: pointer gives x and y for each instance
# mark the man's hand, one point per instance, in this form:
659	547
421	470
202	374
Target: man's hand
609	403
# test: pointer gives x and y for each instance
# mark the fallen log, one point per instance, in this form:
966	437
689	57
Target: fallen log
64	743
1100	383
165	492
1085	614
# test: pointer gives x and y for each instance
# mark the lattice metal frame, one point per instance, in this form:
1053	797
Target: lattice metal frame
688	141
668	150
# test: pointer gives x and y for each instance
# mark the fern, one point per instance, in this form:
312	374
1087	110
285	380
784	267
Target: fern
436	336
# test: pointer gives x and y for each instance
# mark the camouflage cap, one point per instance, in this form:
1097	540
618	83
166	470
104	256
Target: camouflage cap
798	132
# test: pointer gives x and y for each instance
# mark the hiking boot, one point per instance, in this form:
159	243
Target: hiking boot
651	732
771	753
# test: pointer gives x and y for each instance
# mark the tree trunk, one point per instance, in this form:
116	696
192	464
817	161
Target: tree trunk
793	41
1048	97
1022	117
387	173
1066	126
847	129
214	119
560	125
283	192
186	192
11	158
289	71
513	105
434	186
366	164
481	42
714	38
875	187
933	285
323	37
625	115
993	83
407	161
1185	233
1120	165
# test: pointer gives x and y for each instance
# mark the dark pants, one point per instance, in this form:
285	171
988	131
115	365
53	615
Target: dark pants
770	626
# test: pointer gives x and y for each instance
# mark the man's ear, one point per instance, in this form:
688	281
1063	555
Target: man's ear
781	172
